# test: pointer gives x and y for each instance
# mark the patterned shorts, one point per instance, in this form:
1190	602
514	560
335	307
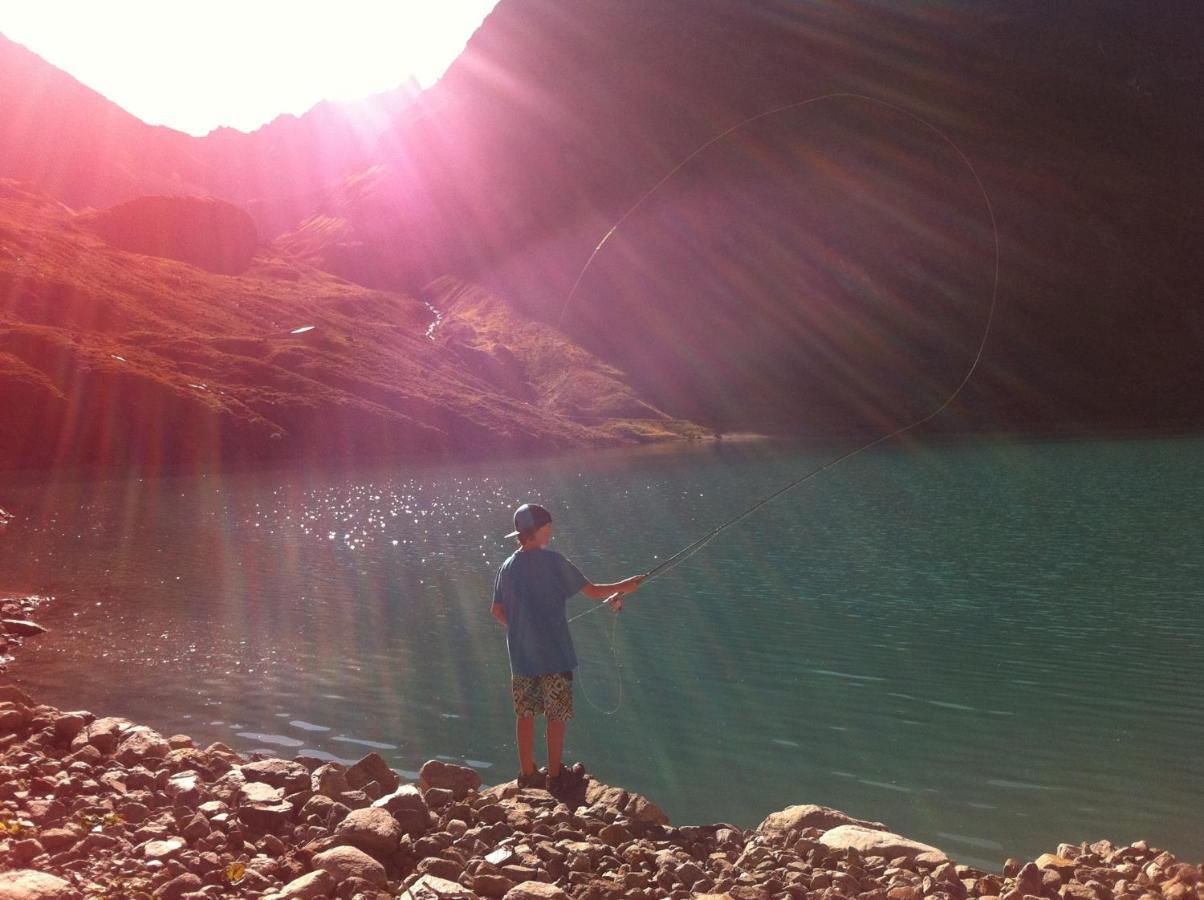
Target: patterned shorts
549	695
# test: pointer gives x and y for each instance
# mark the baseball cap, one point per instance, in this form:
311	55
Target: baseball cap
528	517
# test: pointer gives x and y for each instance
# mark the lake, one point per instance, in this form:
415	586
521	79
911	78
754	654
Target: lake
992	646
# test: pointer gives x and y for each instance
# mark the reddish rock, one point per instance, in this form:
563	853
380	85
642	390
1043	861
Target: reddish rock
374	768
457	779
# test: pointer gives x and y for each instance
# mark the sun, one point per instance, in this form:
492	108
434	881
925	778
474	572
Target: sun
196	66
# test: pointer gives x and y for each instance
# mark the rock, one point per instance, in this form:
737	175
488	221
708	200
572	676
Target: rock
1060	864
259	792
68	725
491	885
21	627
13	718
443	868
178	886
457	779
374	768
535	890
313	885
1029	880
221	751
330	780
12	694
778	825
408	807
615	835
103	734
641	809
349	862
265	817
161	850
373	830
289	777
431	887
871	842
140	743
27	884
56	840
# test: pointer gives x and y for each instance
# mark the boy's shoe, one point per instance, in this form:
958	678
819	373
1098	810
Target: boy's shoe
567	778
536	779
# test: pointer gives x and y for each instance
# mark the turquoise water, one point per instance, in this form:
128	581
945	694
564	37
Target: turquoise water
992	647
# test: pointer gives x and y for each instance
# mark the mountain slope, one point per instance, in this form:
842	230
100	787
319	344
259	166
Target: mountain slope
115	358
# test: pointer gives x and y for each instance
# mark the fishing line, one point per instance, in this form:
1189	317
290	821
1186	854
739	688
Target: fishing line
690	549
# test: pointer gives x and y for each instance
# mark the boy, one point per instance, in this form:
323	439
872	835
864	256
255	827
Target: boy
529	595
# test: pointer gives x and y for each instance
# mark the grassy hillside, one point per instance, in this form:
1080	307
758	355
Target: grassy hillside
116	358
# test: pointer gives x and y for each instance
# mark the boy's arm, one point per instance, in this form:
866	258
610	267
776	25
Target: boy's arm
602	591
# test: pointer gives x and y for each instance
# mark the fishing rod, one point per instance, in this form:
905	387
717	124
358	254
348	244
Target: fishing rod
697	545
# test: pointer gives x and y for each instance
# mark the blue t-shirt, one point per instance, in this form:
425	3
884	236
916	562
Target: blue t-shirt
531	587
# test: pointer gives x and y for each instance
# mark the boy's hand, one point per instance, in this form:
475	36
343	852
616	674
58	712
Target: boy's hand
632	584
615	601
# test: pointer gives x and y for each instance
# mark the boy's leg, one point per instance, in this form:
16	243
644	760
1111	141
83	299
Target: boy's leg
556	729
522	687
524	730
558	707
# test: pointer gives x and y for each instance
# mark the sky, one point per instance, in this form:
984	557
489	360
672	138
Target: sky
195	66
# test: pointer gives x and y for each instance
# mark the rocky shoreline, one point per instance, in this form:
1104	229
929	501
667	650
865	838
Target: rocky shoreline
98	806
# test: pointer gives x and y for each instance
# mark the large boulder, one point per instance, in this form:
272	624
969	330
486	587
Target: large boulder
28	884
778	825
876	843
208	233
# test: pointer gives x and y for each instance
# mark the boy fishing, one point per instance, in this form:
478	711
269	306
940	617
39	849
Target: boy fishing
529	597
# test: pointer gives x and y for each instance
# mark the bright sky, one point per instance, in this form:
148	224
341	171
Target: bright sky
199	64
